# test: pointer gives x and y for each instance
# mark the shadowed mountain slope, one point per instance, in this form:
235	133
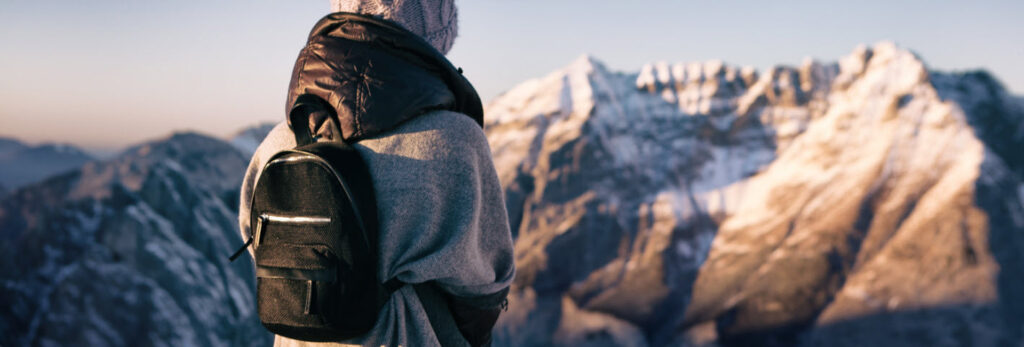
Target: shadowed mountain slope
130	251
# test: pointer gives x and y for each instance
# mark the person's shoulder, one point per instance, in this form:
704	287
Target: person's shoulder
279	134
445	120
452	119
279	138
445	128
436	136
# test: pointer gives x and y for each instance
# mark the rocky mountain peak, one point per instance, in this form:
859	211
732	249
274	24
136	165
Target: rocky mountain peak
565	93
130	251
829	191
697	88
200	159
584	64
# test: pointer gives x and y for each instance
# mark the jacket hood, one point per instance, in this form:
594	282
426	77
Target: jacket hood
376	75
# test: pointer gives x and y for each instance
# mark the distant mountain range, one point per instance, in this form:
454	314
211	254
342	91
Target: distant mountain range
866	202
23	164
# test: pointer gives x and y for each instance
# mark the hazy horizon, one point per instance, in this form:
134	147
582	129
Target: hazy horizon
81	73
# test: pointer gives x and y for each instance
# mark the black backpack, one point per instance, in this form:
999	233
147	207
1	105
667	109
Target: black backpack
314	223
314	233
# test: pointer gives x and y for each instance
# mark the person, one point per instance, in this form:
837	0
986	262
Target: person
440	206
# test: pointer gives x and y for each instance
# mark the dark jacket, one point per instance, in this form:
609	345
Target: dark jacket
377	75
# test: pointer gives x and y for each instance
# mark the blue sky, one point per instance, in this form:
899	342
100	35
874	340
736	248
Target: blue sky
104	74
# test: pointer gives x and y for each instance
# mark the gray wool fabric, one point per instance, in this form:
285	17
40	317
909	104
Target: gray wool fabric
436	21
442	218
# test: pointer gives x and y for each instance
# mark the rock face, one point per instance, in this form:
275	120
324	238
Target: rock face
24	164
131	251
868	201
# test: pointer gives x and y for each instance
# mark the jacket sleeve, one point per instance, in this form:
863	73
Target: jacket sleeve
475	316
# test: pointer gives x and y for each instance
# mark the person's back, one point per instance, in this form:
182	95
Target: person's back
440	207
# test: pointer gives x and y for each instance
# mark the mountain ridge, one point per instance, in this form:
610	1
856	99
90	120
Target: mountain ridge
617	183
146	232
25	164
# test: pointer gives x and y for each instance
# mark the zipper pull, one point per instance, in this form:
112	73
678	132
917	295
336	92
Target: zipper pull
309	297
240	250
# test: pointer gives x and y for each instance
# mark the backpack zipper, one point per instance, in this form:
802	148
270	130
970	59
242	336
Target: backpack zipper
254	233
294	159
294	219
273	218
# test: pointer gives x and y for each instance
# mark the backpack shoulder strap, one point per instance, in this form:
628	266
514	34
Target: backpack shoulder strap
461	320
441	319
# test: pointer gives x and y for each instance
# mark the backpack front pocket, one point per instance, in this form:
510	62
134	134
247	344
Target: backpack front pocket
297	288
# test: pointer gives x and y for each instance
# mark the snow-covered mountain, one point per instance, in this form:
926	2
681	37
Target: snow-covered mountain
22	164
864	202
130	251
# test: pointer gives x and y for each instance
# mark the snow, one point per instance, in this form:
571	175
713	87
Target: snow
729	165
695	88
46	298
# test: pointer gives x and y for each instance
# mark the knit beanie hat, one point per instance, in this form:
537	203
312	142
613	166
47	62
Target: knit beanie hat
433	20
